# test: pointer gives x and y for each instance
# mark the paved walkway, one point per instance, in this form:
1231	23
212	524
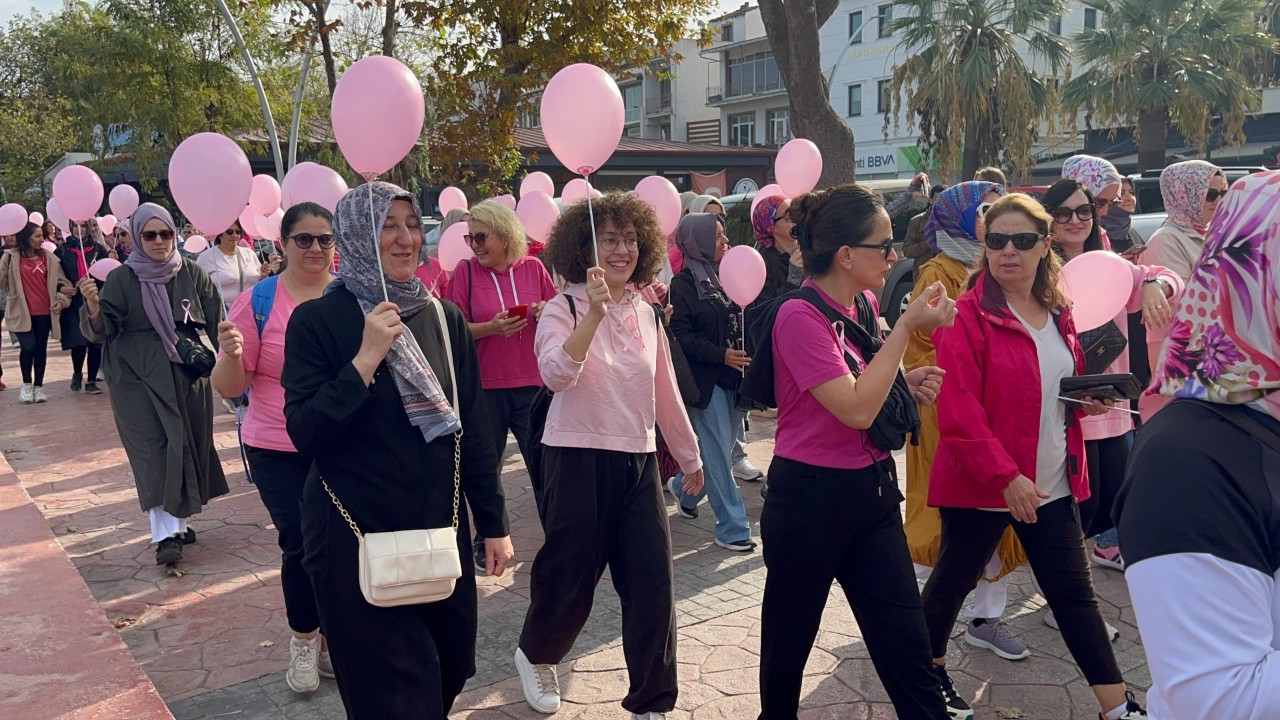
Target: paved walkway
214	640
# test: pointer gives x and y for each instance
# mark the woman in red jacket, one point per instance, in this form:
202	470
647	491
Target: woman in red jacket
1011	452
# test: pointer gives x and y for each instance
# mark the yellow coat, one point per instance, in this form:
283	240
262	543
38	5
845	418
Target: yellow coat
923	526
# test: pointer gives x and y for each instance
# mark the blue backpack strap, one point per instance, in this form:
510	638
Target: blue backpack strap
264	296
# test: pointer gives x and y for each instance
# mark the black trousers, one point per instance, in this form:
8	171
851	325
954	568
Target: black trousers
822	524
1055	549
279	477
509	412
1107	460
605	509
33	351
78	354
399	663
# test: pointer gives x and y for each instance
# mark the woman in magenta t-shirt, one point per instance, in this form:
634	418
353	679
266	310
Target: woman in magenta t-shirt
254	362
832	511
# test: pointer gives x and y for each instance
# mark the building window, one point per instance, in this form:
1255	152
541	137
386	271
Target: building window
633	131
1055	25
726	33
530	119
664	131
778	126
855	27
752	75
855	100
882	96
632	96
886	20
1091	18
742	130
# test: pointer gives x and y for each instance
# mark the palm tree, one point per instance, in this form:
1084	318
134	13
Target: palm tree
1189	63
976	77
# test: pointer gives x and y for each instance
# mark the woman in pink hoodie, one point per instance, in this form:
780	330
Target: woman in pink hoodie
601	349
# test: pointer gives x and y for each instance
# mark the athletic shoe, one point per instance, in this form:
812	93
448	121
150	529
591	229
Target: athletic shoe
690	513
91	388
1112	633
40	396
649	716
737	545
75	384
302	675
27	393
169	551
994	636
189	538
1108	557
957	708
746	472
540	683
324	664
1132	710
479	555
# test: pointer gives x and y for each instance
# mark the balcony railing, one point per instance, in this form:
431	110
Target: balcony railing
721	93
657	105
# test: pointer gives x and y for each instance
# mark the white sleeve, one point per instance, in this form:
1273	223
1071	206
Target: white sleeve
1209	629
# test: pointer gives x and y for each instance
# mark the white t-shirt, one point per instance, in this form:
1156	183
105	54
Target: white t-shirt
231	277
1056	363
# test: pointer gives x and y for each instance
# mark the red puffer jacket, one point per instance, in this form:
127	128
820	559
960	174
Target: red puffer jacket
989	407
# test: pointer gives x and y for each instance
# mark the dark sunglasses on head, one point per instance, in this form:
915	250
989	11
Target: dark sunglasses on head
475	239
1063	215
304	240
1021	241
885	247
151	235
1212	194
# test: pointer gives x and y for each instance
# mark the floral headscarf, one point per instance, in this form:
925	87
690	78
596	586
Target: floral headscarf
952	227
1093	172
1223	345
762	219
1182	185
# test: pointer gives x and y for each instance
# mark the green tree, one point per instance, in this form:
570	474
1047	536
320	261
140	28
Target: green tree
976	77
1188	63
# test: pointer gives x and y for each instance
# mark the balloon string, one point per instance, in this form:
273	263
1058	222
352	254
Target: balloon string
377	239
595	249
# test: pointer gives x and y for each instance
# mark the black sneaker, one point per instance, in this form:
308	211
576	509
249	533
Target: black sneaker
1132	710
477	550
189	538
75	384
169	551
957	708
91	388
743	546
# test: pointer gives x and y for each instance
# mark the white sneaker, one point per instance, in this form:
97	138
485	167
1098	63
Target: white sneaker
649	716
27	393
324	665
302	675
746	472
40	396
541	684
1112	633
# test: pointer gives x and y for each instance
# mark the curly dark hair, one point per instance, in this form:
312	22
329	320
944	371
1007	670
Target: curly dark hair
568	248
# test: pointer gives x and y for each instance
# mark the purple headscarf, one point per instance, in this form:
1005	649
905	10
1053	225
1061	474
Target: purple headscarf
155	274
762	219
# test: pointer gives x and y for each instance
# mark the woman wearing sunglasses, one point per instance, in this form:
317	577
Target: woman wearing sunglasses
1011	452
164	413
1101	179
252	343
233	267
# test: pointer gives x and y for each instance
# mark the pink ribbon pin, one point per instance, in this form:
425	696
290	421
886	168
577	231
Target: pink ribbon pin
186	311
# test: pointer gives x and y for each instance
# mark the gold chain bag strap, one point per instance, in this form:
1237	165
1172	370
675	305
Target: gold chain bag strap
411	567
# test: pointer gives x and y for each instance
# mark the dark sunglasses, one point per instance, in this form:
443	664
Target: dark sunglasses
1102	202
1062	215
885	247
151	235
304	240
476	239
1212	195
1021	241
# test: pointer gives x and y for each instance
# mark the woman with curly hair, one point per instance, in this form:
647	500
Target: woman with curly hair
601	349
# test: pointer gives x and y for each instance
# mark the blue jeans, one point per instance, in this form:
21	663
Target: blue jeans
739	434
714	427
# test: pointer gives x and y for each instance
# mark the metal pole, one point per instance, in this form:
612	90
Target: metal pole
297	99
257	85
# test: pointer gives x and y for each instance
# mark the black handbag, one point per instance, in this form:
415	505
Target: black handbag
1102	346
197	359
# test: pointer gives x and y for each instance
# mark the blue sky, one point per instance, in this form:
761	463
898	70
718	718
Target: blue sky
9	8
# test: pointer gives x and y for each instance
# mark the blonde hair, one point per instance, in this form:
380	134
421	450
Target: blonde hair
1045	288
505	224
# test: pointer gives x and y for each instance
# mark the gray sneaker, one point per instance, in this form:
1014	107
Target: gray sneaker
994	636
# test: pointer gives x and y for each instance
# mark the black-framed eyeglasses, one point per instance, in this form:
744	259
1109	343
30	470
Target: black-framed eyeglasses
1083	213
1021	241
609	243
475	239
1213	194
152	235
1102	203
304	240
885	247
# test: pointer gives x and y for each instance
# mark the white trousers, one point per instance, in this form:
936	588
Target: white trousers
990	598
164	525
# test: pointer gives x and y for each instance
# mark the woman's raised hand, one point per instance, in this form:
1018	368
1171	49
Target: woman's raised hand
932	309
597	293
230	341
89	289
382	327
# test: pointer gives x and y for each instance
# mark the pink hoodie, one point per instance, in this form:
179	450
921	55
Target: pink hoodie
611	400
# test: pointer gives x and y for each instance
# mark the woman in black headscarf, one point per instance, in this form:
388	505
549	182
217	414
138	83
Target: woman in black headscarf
76	257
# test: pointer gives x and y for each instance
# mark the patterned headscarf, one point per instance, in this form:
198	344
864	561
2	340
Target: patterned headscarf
358	225
1223	345
953	220
1092	172
155	275
1182	185
762	219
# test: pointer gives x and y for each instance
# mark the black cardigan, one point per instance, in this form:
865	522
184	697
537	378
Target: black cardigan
702	328
378	465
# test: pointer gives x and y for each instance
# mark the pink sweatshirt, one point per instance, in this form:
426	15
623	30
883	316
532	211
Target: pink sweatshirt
1115	424
505	362
611	400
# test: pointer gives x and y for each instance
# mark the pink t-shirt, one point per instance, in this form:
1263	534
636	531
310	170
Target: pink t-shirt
481	293
432	274
808	352
263	360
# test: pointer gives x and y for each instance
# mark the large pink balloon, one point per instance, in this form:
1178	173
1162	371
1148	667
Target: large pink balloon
101	268
269	225
507	200
764	192
1098	284
123	201
378	110
210	179
309	182
107	224
453	247
59	218
537	182
575	191
665	199
742	274
36	218
798	167
195	244
249	221
538	212
452	198
264	197
582	117
13	217
78	190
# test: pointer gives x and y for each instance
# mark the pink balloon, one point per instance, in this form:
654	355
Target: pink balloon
798	167
508	200
309	182
378	110
36	218
59	218
264	195
123	200
537	182
764	192
1098	284
742	274
269	225
451	198
575	191
48	246
538	212
210	179
13	217
107	224
582	117
102	268
453	247
249	222
195	244
78	191
665	199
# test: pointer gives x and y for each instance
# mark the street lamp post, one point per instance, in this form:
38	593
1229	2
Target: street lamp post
257	85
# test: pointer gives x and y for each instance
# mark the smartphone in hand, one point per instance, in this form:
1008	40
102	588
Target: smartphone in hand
520	311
